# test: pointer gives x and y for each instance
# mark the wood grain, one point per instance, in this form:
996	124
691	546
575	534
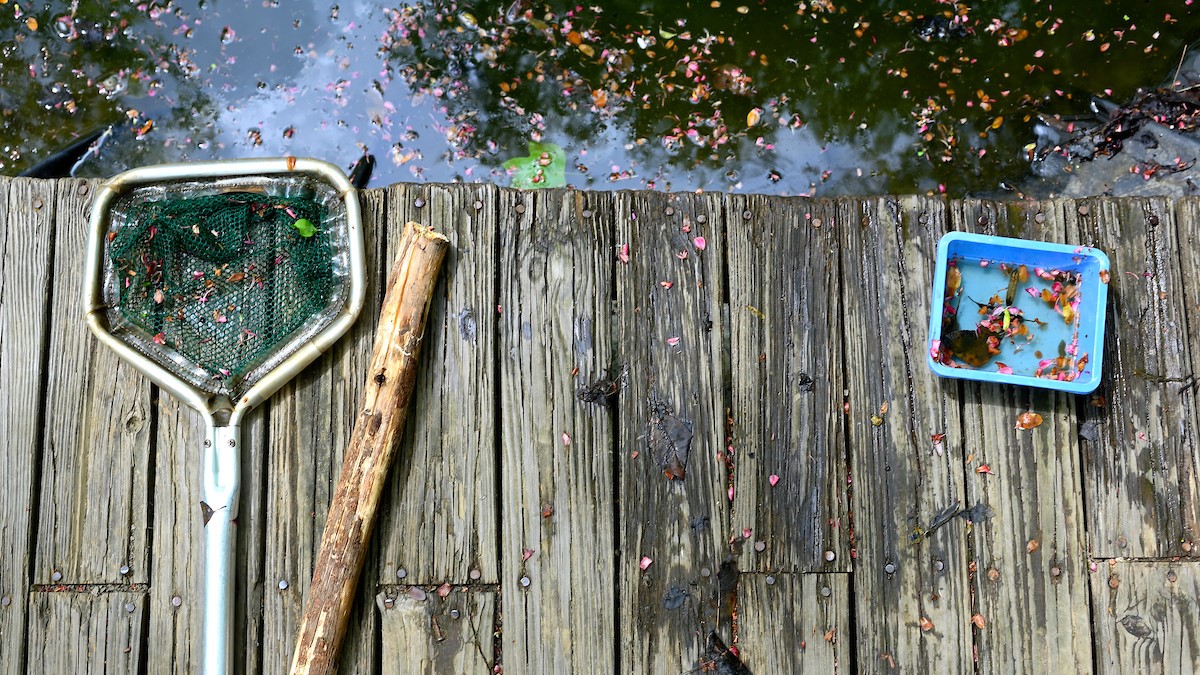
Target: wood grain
76	632
1030	587
899	481
311	422
371	450
441	511
672	533
795	623
787	384
94	511
1145	617
434	635
489	452
26	251
1145	457
557	466
1187	214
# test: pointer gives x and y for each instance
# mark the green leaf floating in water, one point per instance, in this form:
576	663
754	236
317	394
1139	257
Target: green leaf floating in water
545	167
305	227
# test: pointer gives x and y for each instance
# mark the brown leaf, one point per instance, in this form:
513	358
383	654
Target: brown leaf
670	441
1032	546
1028	420
926	624
978	621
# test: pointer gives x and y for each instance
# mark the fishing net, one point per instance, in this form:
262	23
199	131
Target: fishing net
219	282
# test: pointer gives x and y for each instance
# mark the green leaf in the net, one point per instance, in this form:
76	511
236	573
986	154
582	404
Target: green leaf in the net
304	227
545	167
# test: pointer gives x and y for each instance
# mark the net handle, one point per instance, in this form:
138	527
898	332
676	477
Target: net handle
219	507
222	416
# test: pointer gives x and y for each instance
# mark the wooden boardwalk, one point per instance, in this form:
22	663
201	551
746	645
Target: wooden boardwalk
746	341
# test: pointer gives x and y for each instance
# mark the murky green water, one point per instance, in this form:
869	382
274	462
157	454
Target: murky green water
815	98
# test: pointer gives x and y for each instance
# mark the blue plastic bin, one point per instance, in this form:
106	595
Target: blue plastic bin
1052	333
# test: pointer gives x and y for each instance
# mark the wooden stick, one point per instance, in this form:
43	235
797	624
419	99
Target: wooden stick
372	447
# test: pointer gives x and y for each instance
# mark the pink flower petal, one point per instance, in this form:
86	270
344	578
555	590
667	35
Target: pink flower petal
623	253
730	493
699	243
773	480
673	341
566	439
526	554
1003	369
746	532
645	562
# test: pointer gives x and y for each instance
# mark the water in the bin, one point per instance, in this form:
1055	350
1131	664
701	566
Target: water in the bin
1013	319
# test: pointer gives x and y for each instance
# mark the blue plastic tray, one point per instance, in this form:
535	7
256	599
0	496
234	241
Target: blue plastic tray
1039	341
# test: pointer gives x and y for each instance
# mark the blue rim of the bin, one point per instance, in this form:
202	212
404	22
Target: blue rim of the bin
1095	359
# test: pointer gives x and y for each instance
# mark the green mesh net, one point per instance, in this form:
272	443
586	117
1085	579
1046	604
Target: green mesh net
222	280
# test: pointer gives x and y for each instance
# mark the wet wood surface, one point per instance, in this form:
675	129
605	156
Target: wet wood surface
723	341
1029	583
912	614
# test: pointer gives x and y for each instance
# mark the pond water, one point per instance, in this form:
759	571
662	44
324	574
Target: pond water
813	98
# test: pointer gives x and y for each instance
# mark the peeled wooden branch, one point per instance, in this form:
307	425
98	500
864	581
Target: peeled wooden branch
371	450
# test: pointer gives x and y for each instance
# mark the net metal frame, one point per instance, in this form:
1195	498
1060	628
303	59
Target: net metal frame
222	400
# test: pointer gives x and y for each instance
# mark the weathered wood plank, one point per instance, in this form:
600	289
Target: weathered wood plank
175	594
251	553
26	245
93	518
440	515
1187	220
557	474
1146	619
1030	556
312	418
670	340
87	633
1144	459
899	482
177	543
434	635
795	623
785	323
